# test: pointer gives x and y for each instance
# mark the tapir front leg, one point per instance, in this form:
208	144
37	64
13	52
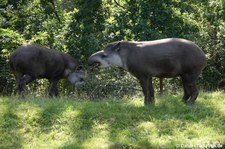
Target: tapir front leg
53	89
146	84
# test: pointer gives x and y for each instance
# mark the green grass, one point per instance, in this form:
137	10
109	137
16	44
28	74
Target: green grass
68	123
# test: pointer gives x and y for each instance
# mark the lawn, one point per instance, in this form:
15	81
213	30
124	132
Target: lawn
112	123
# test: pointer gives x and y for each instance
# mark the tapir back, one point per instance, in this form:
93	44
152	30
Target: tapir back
37	61
166	58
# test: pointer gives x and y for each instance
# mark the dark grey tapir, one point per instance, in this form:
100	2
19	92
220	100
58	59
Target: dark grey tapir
32	61
163	58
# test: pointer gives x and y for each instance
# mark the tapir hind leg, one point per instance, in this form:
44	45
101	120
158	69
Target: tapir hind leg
187	92
27	79
20	84
190	88
22	80
194	92
151	89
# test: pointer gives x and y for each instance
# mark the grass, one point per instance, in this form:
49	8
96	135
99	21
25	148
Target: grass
68	123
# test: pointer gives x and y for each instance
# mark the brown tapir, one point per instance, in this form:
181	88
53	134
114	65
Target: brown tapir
32	61
163	58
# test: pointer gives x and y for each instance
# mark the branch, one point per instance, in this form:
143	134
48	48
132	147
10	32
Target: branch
55	12
119	4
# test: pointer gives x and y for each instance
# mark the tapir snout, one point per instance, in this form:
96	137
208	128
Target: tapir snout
106	58
95	59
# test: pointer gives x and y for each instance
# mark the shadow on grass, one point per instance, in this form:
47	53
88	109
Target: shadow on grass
120	123
50	115
9	123
121	116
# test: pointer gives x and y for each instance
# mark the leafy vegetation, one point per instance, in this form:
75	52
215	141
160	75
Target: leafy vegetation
81	27
68	123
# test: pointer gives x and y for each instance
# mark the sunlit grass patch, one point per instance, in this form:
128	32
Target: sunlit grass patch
111	123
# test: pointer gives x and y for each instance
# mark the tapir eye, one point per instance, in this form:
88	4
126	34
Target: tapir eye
103	56
79	68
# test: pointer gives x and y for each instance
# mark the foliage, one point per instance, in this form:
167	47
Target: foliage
81	27
9	40
68	123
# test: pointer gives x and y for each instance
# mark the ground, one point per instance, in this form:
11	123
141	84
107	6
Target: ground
66	122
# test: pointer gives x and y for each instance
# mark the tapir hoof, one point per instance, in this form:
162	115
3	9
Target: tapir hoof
149	102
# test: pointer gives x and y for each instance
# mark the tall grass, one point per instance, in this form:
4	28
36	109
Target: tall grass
75	123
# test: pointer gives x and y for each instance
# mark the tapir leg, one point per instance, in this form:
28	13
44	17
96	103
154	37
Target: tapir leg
187	92
20	84
22	80
27	79
190	88
151	89
53	90
146	84
194	92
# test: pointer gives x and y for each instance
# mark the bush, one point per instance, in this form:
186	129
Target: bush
81	28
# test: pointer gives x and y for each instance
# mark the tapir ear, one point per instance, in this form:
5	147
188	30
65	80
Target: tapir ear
72	65
66	72
117	47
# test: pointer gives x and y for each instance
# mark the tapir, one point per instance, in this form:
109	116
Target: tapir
33	61
164	58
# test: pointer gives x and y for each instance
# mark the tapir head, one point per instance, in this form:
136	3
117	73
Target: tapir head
110	56
75	74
